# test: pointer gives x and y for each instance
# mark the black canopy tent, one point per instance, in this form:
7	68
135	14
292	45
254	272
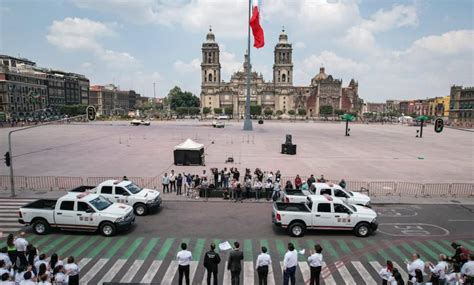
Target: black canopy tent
189	153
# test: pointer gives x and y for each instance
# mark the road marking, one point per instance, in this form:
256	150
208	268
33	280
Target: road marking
112	271
248	272
132	271
148	248
461	220
94	270
364	273
152	270
346	276
412	229
226	274
305	271
328	279
83	262
170	273
192	270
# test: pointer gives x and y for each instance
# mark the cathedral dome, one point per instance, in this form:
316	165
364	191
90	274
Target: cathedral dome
321	75
283	39
210	38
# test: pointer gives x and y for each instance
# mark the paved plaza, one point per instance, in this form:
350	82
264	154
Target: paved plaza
372	152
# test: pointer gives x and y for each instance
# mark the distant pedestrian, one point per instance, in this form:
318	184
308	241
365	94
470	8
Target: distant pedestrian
257	186
304	186
226	177
166	183
264	262
238	192
72	271
172	181
211	263
268	189
386	272
342	183
438	271
315	261
248	187
125	178
11	249
322	179
234	264
298	182
276	190
289	265
184	258
311	180
179	184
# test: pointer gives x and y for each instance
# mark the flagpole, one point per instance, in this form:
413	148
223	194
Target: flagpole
248	122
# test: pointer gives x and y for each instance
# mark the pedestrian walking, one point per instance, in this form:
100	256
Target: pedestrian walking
257	186
172	181
386	272
289	265
184	258
315	261
416	263
234	264
21	243
438	271
72	271
179	184
166	183
211	263
264	262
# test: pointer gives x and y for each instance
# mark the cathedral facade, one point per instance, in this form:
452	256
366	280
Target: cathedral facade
278	95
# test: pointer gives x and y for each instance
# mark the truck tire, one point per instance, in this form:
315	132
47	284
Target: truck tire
140	209
362	230
107	229
297	229
41	226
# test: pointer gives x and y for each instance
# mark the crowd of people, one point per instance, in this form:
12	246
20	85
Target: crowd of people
22	264
251	185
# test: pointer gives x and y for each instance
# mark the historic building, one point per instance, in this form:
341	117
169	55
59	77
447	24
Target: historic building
278	95
461	105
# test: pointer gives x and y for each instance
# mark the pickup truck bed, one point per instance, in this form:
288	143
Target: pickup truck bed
294	192
82	188
46	204
292	207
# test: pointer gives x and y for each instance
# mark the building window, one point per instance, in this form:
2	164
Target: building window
283	78
210	77
210	103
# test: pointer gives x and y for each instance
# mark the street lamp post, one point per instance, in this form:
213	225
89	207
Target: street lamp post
248	122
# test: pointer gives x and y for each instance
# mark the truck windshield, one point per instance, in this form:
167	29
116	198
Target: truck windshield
100	203
350	206
133	188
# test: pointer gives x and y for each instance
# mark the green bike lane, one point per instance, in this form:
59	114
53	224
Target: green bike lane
144	251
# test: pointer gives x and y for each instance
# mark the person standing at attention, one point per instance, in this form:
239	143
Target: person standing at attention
289	265
315	261
263	263
166	183
179	184
211	263
172	181
72	271
234	264
184	258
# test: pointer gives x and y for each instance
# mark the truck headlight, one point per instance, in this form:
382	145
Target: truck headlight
119	220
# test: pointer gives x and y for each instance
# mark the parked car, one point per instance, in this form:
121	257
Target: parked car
218	124
326	213
138	122
78	212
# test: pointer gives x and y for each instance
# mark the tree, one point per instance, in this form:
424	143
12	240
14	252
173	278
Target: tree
339	112
73	110
268	111
255	110
194	111
217	111
291	112
279	112
325	110
302	112
178	98
206	110
182	111
228	110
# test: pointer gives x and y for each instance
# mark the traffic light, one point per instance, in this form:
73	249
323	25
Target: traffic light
91	113
439	125
7	158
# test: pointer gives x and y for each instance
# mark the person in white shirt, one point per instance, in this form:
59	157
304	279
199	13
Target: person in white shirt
4	256
172	181
415	264
438	271
184	258
315	261
44	280
21	272
5	279
467	270
396	278
27	279
289	265
21	243
263	263
386	272
257	185
41	260
72	271
454	277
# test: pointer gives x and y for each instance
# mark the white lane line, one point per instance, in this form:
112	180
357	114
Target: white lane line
170	273
127	278
83	262
305	271
346	275
326	275
248	273
376	266
226	274
270	277
192	271
94	270
112	272
461	220
364	273
152	270
400	269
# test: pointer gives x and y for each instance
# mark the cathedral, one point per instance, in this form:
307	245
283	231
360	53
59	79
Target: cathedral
278	95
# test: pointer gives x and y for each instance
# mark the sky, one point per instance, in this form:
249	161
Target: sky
395	49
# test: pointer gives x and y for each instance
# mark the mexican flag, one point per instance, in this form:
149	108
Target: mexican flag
257	31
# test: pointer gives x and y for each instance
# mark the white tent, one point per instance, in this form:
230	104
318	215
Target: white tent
189	153
189	144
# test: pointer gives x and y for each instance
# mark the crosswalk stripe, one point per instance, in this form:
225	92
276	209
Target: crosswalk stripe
151	272
132	271
328	279
112	271
192	270
94	270
270	277
376	266
9	230
169	275
83	262
346	275
226	274
364	273
15	220
248	272
305	271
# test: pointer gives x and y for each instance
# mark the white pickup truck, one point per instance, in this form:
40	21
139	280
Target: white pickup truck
324	212
141	199
334	190
77	211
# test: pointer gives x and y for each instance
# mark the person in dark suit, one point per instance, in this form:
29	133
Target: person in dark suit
235	264
211	263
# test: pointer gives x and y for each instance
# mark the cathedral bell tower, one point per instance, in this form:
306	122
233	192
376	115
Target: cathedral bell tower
210	65
283	64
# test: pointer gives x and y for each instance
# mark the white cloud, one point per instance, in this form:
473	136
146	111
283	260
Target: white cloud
312	63
230	64
449	43
299	45
116	59
183	67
